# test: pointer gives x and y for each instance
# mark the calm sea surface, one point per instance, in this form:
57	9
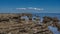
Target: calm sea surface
48	14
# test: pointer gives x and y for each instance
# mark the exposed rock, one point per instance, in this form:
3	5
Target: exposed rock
16	25
46	19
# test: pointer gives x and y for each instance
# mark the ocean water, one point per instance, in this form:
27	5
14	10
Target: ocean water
48	14
53	29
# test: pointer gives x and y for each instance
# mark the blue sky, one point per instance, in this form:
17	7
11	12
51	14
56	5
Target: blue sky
31	6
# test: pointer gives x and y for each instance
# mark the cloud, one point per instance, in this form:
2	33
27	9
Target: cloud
21	8
35	8
30	8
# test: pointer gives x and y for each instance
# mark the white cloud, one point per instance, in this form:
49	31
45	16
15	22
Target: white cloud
30	8
35	8
21	8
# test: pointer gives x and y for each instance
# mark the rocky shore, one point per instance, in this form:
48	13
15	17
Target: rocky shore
15	24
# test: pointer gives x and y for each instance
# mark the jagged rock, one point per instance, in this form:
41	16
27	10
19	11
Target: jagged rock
46	19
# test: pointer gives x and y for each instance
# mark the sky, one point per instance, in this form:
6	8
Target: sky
30	6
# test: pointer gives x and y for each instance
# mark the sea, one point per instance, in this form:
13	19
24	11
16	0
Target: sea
48	14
